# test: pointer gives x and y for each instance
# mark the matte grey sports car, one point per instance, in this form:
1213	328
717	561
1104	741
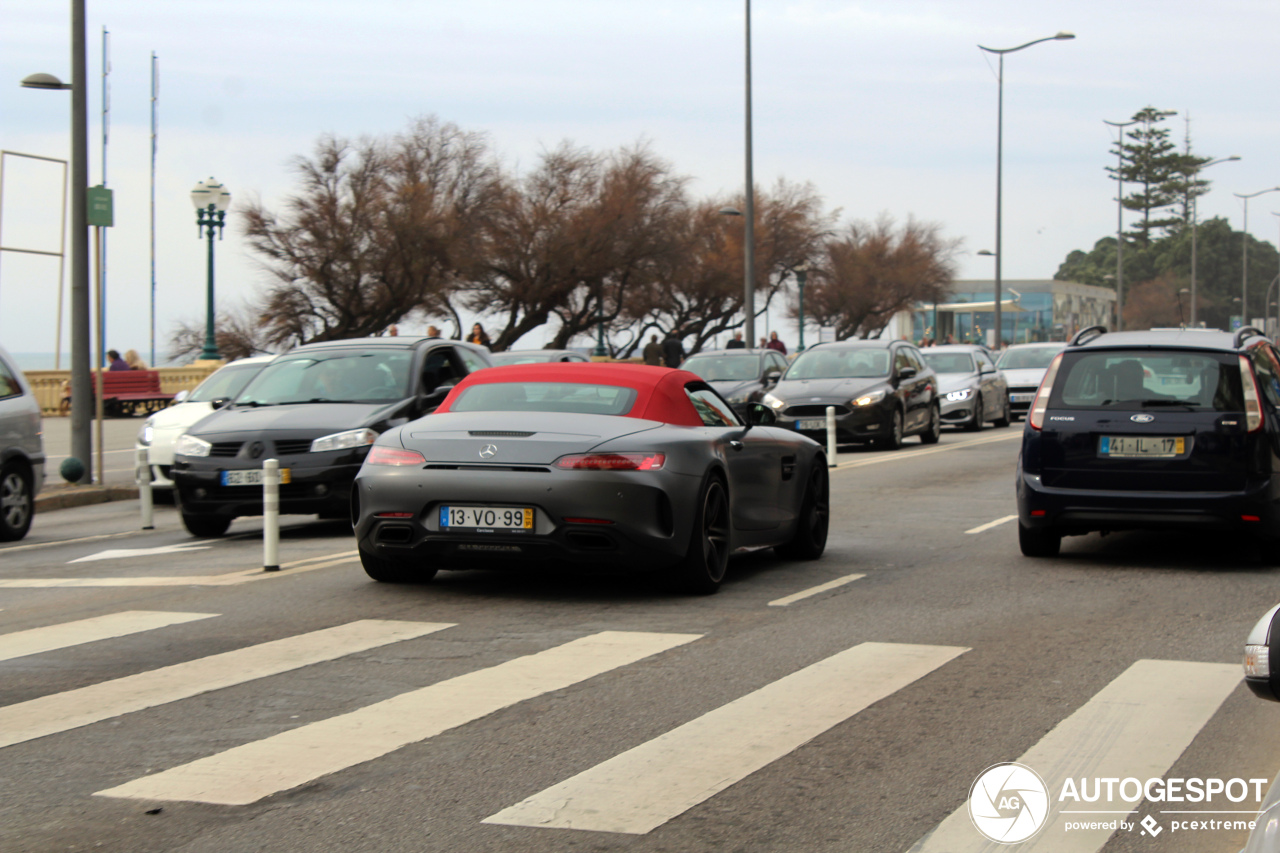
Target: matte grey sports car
603	465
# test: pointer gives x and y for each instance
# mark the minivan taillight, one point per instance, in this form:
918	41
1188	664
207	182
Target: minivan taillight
1036	416
1252	403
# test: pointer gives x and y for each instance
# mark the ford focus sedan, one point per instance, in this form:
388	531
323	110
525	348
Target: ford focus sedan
604	466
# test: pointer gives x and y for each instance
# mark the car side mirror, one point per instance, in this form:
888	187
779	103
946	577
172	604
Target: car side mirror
987	368
181	396
220	403
906	372
772	377
758	414
1262	658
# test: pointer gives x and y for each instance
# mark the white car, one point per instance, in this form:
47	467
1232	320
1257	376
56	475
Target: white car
161	430
1023	366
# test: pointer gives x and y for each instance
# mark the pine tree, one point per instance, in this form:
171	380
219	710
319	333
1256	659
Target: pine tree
1152	162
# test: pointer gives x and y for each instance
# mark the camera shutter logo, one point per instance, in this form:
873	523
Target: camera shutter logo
1008	803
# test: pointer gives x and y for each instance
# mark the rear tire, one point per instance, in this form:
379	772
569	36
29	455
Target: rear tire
393	571
814	520
1039	541
1007	417
17	503
707	557
934	432
206	526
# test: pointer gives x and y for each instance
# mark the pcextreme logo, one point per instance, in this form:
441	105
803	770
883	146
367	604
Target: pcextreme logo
1008	803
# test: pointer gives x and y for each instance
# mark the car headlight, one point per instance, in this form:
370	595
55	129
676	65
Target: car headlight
868	399
773	402
189	445
144	434
957	396
344	440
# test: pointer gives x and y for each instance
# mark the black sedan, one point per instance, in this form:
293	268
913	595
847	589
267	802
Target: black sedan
608	466
741	376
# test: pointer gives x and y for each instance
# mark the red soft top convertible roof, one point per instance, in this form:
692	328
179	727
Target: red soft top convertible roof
660	394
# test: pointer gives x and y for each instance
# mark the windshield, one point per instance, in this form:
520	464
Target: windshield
840	364
724	368
570	397
1031	358
226	383
521	357
1147	379
949	362
345	376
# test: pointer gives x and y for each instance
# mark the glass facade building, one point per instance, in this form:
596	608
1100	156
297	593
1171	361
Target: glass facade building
1031	311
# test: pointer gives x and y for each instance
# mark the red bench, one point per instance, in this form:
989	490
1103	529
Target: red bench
124	392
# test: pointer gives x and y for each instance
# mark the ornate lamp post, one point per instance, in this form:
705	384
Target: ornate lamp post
211	201
1062	36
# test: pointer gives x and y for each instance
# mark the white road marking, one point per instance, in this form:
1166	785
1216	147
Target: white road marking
645	787
229	579
32	546
121	553
36	640
990	524
901	456
794	597
250	772
61	712
1136	726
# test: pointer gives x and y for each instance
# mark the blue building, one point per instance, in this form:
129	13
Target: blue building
1030	311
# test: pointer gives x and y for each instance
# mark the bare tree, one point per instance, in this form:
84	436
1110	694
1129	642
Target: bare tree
873	271
239	333
377	231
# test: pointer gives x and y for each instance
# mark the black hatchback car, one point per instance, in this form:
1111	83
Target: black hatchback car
317	409
1163	429
881	391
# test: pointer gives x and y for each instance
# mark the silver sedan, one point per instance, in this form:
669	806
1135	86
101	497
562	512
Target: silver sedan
970	386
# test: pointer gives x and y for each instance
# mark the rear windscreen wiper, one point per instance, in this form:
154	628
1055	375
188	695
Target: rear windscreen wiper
1151	404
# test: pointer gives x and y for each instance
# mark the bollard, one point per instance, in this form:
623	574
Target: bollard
271	515
142	476
831	436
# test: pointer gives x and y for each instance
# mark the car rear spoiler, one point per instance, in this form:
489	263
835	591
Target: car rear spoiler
1087	334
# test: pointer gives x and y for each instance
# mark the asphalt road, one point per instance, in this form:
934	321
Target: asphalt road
143	709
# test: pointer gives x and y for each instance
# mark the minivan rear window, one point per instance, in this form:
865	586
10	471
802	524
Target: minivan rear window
1134	380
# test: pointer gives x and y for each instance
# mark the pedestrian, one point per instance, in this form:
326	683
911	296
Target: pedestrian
134	360
737	342
764	343
433	332
393	331
776	344
653	352
478	336
672	350
115	362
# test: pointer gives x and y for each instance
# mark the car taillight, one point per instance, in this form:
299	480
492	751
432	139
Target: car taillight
1252	403
1038	406
613	461
380	455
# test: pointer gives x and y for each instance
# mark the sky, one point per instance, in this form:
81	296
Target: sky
886	107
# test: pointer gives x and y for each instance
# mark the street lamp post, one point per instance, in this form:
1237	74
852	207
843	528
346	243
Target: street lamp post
749	214
1119	126
1244	263
1195	208
1062	36
211	201
81	387
802	275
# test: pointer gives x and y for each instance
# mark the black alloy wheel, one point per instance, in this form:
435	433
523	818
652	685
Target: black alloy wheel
393	571
976	424
17	503
893	440
1039	541
704	564
934	432
810	538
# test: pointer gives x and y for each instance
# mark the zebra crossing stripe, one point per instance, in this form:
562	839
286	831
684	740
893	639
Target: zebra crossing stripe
645	787
61	712
248	773
37	640
1136	726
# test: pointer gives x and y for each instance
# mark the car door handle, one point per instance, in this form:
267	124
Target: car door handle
735	444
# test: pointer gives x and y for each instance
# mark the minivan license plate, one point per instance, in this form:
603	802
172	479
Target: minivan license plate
1142	446
510	519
